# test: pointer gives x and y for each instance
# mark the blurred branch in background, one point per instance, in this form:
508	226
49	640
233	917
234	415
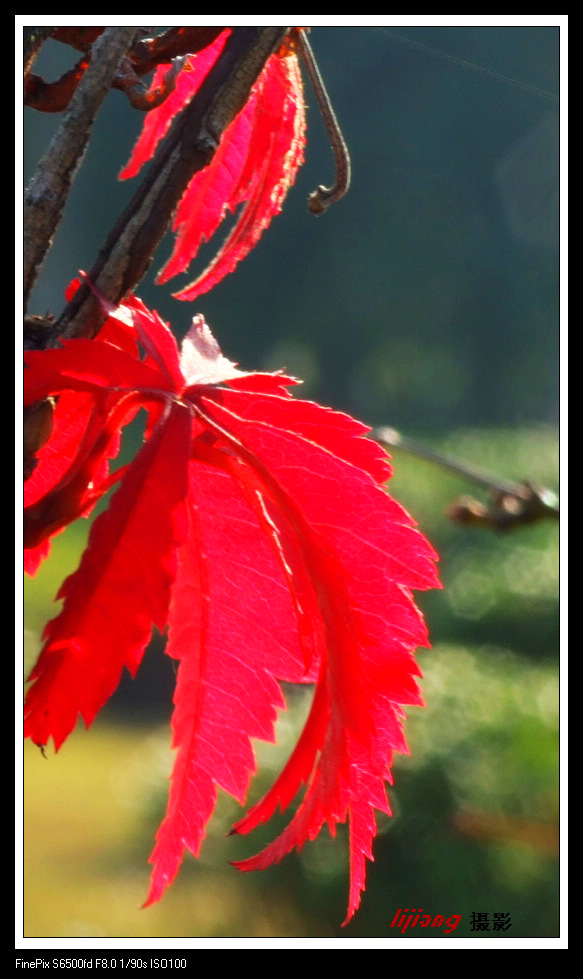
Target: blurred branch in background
511	504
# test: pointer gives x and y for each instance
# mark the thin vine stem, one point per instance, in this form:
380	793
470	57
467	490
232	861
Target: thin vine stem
321	199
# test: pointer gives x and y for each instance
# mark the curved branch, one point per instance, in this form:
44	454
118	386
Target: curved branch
321	199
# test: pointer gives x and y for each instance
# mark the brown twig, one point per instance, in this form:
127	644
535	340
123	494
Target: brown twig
142	58
173	43
53	96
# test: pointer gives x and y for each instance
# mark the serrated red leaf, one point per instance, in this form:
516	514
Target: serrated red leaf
228	587
258	528
121	589
254	165
362	569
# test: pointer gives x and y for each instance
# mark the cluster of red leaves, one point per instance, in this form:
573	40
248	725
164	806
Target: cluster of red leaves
256	528
254	166
253	527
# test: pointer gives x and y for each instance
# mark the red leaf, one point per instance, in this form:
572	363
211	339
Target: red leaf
228	587
258	528
120	590
255	165
361	569
85	478
71	414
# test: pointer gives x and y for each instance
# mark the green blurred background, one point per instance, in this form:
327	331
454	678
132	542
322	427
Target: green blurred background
428	300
